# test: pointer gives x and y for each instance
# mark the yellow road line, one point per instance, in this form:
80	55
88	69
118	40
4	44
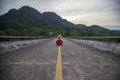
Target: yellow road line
58	75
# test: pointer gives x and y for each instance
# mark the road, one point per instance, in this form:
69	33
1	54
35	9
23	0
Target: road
79	62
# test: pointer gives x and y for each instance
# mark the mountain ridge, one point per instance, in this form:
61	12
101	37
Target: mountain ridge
27	17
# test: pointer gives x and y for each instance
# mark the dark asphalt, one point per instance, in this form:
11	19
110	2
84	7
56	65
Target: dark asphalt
38	62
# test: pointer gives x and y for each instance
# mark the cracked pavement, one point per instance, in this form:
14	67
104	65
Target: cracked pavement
80	62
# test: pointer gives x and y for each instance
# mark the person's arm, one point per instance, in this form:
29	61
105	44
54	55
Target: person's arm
56	41
61	41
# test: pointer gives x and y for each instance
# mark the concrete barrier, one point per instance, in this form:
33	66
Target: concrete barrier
106	46
10	46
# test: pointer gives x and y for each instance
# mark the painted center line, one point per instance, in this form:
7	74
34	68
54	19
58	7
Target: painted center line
59	75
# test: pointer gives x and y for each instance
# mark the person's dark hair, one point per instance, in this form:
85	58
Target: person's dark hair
58	37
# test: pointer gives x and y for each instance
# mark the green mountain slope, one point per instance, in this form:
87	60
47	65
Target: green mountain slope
27	21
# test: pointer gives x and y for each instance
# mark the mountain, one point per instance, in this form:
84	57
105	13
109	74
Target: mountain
28	15
28	21
81	26
99	30
21	18
53	18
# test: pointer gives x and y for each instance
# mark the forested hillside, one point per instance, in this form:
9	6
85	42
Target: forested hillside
27	21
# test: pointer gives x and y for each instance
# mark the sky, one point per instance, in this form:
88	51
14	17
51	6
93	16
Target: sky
105	13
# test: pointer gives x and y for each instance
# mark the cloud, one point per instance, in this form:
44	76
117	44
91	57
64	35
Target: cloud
102	12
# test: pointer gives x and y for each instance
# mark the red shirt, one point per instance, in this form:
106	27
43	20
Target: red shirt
59	42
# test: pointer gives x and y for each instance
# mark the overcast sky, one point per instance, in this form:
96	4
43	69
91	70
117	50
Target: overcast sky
88	12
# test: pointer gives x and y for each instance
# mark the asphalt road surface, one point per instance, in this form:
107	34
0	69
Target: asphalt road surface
79	62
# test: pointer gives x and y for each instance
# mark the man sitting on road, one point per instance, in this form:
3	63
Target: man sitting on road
59	42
